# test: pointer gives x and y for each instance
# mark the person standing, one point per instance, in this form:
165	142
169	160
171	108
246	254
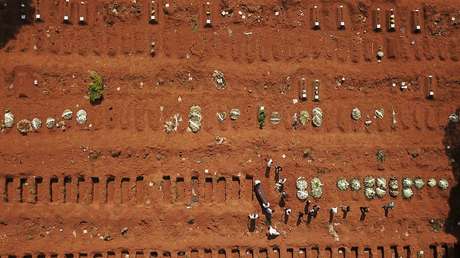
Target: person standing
332	213
268	167
287	213
364	211
278	170
387	207
299	218
345	210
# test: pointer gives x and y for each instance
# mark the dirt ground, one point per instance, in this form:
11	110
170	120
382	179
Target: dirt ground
120	186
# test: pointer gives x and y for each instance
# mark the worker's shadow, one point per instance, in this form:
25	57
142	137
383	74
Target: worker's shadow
252	225
267	172
451	144
10	18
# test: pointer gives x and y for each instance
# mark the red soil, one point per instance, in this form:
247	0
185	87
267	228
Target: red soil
64	190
